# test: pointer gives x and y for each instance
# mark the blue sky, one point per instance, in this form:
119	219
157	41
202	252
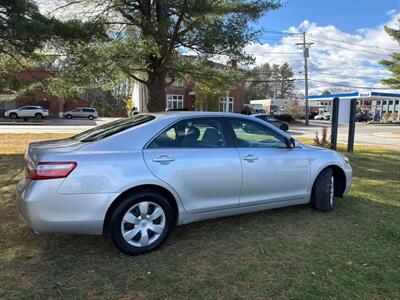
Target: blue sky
348	41
346	15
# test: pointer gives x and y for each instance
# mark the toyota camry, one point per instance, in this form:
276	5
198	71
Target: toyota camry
136	178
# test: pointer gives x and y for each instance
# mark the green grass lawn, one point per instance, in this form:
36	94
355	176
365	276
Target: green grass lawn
296	252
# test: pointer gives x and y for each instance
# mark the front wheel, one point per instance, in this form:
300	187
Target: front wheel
13	116
324	191
141	222
91	117
39	116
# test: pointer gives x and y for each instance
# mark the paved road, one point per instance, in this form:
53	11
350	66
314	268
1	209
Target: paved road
365	134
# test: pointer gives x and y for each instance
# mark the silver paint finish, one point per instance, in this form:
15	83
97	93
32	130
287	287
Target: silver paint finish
205	183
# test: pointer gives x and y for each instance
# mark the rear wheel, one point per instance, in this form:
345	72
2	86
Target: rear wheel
284	127
13	116
69	116
324	191
141	222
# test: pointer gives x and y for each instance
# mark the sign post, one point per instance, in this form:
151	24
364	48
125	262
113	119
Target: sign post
352	125
335	117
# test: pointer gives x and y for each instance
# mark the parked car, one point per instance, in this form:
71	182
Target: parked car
364	117
81	112
323	116
25	112
134	179
282	125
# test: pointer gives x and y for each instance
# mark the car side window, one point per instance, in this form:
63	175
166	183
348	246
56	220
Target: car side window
249	134
192	133
76	110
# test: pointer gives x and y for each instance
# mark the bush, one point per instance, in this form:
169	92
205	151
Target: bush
284	117
395	116
324	140
386	117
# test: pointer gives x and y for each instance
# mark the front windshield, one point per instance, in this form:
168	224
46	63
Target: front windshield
105	130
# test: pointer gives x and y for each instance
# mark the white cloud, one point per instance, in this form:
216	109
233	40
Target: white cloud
335	56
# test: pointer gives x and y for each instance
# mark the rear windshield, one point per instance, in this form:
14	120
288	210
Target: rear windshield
105	130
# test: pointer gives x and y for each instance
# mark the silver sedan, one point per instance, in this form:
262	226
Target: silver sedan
136	178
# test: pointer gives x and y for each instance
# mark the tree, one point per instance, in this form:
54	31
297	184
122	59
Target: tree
276	81
326	92
393	65
23	29
148	38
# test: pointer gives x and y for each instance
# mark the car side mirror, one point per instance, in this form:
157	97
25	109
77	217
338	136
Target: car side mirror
291	142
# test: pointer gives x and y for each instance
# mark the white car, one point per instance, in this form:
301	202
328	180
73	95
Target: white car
323	116
36	112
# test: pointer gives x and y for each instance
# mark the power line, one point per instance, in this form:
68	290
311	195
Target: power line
281	32
349	49
367	46
351	86
271	52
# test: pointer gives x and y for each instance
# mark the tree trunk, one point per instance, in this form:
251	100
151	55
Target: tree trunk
157	98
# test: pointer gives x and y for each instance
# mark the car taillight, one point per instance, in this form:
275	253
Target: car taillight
49	170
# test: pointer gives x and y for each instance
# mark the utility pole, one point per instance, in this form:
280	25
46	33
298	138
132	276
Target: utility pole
306	54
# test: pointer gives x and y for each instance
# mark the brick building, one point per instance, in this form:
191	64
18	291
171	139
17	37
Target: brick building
185	97
56	106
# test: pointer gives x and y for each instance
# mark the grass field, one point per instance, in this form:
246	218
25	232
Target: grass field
351	253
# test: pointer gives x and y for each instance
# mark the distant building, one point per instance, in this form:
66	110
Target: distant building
368	102
183	95
277	106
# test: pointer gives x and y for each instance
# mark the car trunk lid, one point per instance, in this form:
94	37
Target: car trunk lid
37	150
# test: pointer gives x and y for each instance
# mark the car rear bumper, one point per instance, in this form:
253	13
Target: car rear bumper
46	211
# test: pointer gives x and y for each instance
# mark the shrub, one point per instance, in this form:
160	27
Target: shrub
386	116
284	117
395	116
324	141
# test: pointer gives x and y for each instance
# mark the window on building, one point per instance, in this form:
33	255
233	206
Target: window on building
384	102
390	102
378	102
222	104
174	101
396	102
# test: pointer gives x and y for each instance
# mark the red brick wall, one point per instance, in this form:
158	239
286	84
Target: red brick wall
189	100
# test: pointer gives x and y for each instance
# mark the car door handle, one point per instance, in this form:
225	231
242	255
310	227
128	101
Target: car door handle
250	157
163	159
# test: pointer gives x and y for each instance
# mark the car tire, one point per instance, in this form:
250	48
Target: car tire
90	117
68	116
13	116
38	116
284	127
141	222
323	191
